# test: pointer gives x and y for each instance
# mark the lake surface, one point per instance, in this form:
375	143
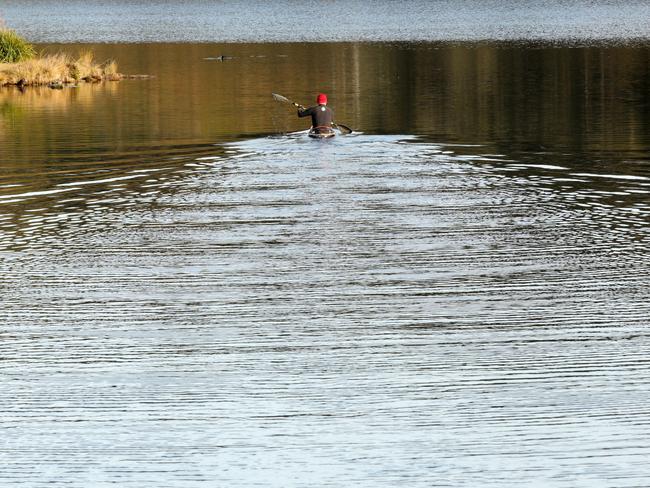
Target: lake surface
332	20
196	294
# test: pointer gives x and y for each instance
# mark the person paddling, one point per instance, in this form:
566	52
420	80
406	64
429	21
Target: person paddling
321	117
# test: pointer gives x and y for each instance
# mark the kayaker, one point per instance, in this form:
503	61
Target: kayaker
321	115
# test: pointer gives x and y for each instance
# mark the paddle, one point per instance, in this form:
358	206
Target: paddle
343	128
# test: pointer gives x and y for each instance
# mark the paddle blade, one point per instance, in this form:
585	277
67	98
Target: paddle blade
343	128
280	98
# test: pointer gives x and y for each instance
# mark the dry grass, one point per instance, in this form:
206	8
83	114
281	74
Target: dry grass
57	69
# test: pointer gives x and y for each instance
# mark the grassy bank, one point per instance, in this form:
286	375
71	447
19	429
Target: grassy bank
14	48
57	69
19	65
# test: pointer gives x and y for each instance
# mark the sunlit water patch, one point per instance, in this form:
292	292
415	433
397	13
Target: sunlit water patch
357	20
364	311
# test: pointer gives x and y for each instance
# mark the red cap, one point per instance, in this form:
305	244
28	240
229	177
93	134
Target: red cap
321	99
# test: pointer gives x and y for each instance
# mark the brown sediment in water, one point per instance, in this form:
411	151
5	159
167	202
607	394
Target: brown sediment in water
57	70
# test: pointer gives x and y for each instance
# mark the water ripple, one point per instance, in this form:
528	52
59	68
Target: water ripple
417	20
367	311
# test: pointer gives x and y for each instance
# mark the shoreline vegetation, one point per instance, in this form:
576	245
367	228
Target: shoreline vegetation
57	70
21	66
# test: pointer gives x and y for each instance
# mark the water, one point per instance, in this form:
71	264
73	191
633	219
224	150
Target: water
195	294
335	20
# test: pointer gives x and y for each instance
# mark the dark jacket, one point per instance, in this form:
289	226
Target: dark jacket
321	115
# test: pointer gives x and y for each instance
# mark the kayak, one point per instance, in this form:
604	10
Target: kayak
321	132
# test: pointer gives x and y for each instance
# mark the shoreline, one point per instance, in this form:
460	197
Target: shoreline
59	70
56	70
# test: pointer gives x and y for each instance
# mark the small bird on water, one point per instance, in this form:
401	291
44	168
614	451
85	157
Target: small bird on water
221	57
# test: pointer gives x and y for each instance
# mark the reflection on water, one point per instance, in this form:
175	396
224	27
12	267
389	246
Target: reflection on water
586	109
190	296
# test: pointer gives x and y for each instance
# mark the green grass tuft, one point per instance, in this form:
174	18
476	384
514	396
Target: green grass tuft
14	48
